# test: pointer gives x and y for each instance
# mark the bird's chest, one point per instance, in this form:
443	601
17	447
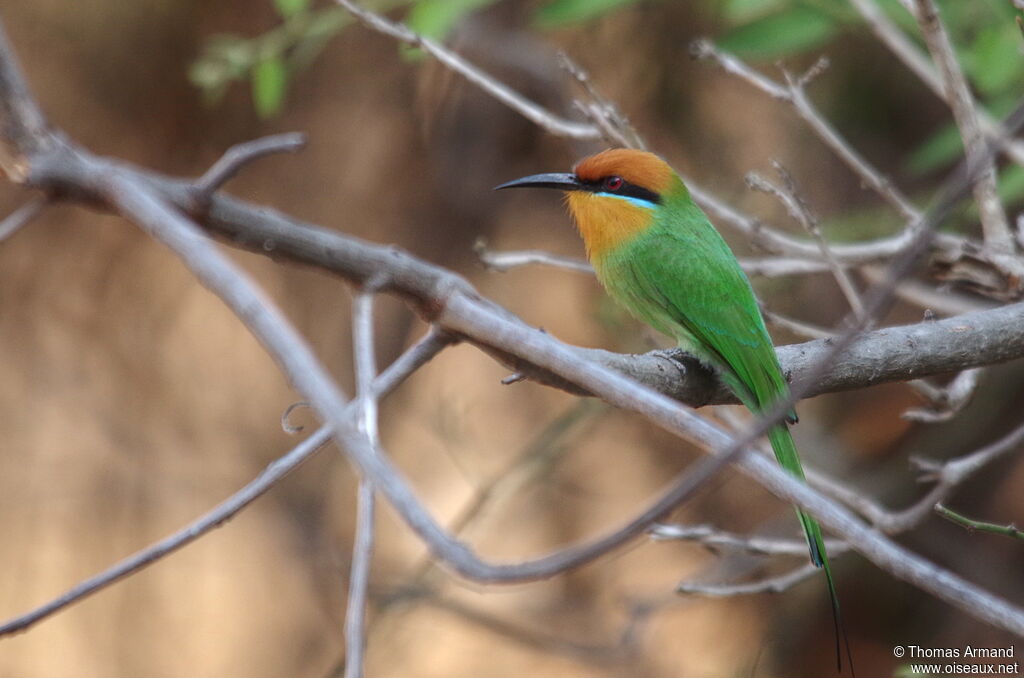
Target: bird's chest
623	276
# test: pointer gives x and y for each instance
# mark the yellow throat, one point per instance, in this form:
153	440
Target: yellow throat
605	223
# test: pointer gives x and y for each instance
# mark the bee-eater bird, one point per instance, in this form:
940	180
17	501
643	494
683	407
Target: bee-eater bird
656	253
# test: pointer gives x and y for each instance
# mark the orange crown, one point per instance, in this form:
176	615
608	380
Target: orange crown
637	167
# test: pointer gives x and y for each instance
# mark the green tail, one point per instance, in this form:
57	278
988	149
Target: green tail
785	452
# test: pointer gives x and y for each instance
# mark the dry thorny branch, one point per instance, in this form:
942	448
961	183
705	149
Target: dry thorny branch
177	212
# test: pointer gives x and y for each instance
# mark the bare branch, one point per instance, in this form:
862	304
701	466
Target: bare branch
954	472
242	154
852	531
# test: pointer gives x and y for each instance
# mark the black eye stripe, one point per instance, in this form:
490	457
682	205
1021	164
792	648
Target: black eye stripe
627	189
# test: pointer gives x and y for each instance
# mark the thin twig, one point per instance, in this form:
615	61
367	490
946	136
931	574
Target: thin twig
399	371
362	547
946	402
600	111
776	584
906	51
23	129
769	267
528	109
871	251
790	198
797	327
536	460
941	301
972	525
957	92
718	539
775	267
794	93
21	216
944	302
507	260
240	155
948	476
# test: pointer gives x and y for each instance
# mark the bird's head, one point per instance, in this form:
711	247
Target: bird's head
612	196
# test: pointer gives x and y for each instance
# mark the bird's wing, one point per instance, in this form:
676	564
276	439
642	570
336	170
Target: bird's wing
692	281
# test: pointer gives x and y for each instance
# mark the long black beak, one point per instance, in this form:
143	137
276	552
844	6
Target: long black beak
564	182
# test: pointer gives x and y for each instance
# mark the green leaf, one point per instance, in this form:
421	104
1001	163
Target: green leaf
558	13
1011	185
434	19
945	146
269	82
784	33
940	149
898	14
996	62
741	11
289	8
857	225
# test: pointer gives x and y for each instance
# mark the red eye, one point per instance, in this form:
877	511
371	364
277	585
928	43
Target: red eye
613	183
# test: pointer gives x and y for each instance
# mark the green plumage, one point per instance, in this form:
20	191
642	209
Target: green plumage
679	276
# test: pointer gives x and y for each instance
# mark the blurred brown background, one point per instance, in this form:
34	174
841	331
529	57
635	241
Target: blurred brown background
131	401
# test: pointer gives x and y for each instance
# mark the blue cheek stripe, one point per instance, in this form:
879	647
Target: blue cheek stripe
639	202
